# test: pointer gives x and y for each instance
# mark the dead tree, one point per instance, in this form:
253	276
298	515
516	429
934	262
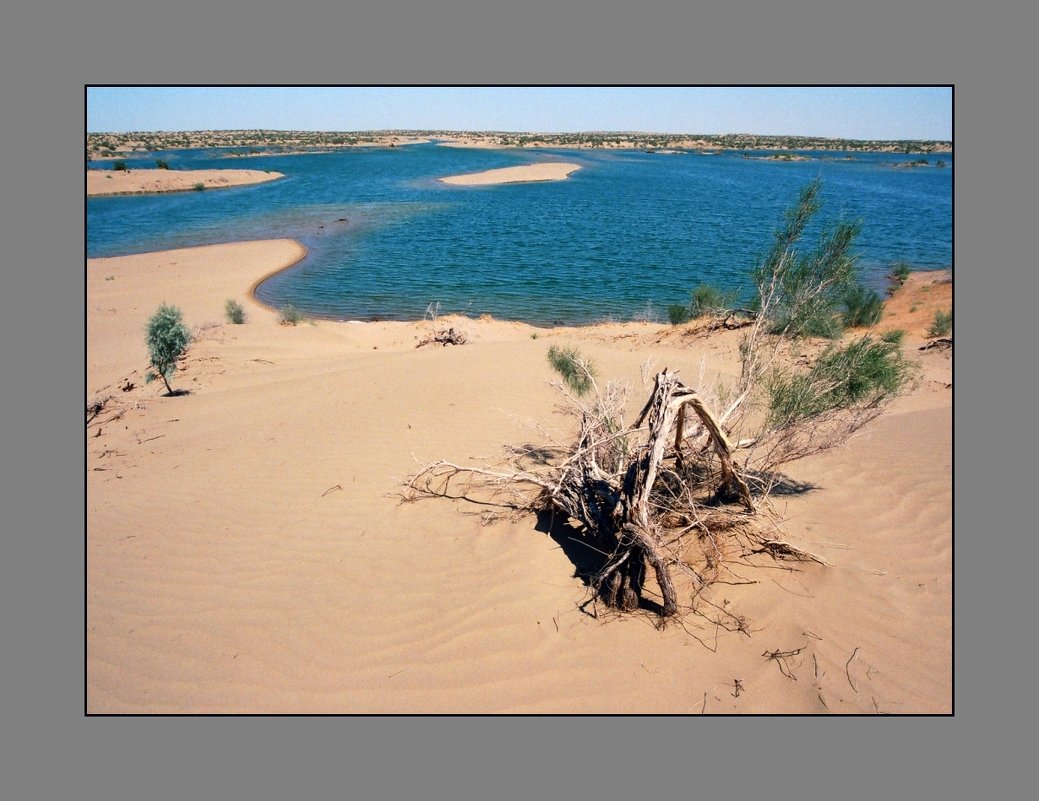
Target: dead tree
634	490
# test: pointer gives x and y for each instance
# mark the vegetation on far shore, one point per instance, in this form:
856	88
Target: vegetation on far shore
261	142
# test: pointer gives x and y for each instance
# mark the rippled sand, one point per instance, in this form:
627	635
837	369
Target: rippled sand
246	551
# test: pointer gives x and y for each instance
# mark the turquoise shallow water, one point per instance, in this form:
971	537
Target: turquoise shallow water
625	236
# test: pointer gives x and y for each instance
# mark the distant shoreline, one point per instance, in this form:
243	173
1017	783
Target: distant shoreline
101	146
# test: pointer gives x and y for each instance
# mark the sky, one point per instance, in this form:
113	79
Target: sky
892	112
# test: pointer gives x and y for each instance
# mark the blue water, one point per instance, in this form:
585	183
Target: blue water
622	238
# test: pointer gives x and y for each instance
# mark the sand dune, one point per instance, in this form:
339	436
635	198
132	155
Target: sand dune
246	551
526	173
135	182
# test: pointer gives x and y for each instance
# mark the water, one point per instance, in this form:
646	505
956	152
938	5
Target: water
622	238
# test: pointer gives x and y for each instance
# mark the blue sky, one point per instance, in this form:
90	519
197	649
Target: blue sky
844	112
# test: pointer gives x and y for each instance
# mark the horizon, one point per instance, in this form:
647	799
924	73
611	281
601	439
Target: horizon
689	134
907	113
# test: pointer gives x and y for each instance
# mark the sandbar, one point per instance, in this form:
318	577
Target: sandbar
526	173
136	182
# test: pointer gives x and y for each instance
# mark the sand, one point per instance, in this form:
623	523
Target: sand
134	182
246	551
526	173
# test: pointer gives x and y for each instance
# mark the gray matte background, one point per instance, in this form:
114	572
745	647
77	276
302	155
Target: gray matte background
49	750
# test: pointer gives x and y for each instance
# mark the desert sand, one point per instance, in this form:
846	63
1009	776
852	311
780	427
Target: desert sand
542	171
135	182
247	552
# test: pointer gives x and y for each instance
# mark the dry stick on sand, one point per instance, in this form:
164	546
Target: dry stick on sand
780	658
847	671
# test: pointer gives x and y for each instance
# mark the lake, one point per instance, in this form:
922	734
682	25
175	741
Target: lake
622	238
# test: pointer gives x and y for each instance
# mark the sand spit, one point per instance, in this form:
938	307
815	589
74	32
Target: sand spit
246	552
526	173
134	182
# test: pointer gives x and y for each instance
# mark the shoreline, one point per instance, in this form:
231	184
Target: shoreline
523	173
920	275
304	252
109	183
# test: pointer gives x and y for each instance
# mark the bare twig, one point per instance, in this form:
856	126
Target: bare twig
847	671
780	658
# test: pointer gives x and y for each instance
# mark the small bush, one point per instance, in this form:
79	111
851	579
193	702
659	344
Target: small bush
162	164
821	323
893	337
120	166
199	186
862	307
900	272
577	371
862	373
941	325
290	315
678	314
709	299
234	312
167	338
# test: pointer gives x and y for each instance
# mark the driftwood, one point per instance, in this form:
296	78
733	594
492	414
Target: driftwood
450	336
642	494
441	336
939	343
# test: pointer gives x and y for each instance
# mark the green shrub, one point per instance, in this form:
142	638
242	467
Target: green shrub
234	312
162	164
577	371
709	299
900	272
800	293
199	186
167	338
862	307
941	325
822	324
894	336
678	314
120	166
290	315
865	372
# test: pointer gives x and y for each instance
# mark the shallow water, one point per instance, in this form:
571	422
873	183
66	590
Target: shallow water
622	238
